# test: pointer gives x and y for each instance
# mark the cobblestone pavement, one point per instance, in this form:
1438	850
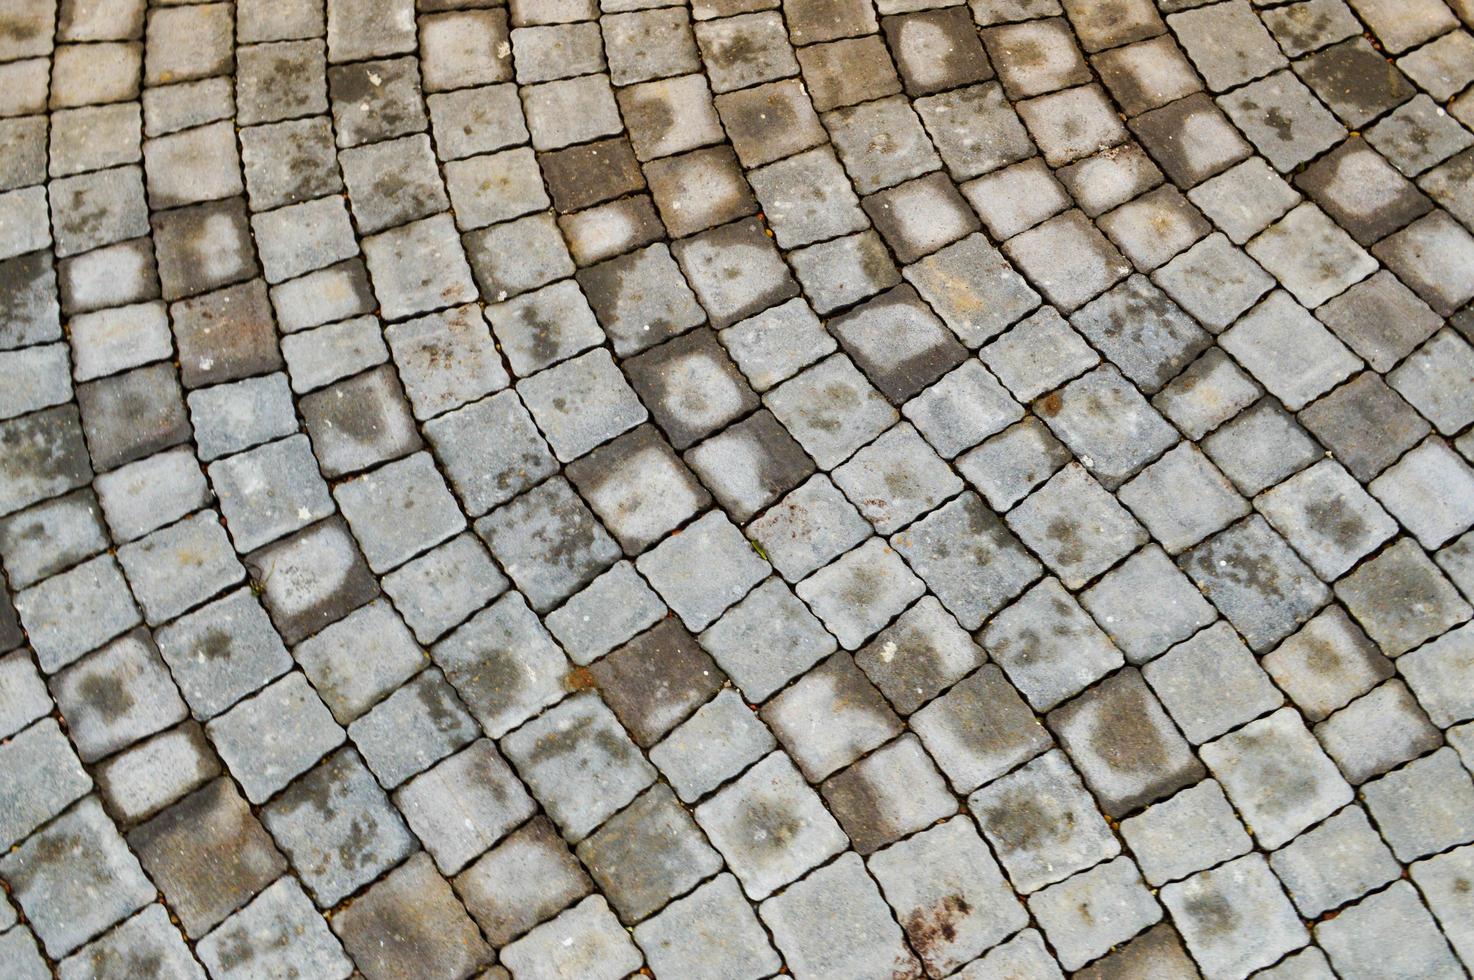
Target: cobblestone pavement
846	488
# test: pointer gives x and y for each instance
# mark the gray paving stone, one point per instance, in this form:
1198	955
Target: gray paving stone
23	697
1438	878
1211	683
609	407
503	664
149	937
43	777
1191	831
1260	446
412	729
1326	488
579	762
735	271
1107	424
75	878
1378	595
750	465
279	930
611	609
272	737
719	740
1146	604
711	932
1086	915
973	289
1424	807
1436	674
586	940
1389	931
691	387
117	695
1288	351
653	682
76	611
704	570
1235	918
972	752
1277	776
862	719
50	537
1337	862
1076	526
529	877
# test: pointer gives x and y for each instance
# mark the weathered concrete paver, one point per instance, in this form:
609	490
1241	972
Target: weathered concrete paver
529	489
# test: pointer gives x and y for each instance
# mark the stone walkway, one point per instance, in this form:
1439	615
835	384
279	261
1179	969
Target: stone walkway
846	488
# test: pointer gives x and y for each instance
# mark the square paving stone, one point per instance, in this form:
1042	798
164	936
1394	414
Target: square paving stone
312	578
656	680
640	299
859	718
848	71
475	120
712	924
979	729
129	416
917	37
721	739
1190	831
1227	43
432	933
580	176
1042	823
948	893
1016	198
1434	255
25	698
75	878
1418	135
610	610
1310	255
445	360
1327	664
1160	341
1436	672
651	109
1211	683
413	728
606	406
503	664
1025	952
1182	498
1146	75
1072	124
973	288
1391	931
1428	491
1069	239
43	776
766	640
1076	526
100	208
491	451
117	274
418	267
1381	319
742	51
1086	915
1424	807
209	855
464	48
1039	354
699	190
1108	424
28	285
1433	380
692	386
876	163
1049	647
549	542
586	941
571	110
579	763
1154	227
1245	199
278	931
464	805
1035	56
204	246
521	255
647	854
51	537
1337	862
359	422
1363	192
116	696
1377	732
750	464
1235	918
861	592
1260	446
638	487
281	80
179	566
1114	26
359	659
949	547
76	611
222	651
1355	80
1283	119
1288	351
831	409
770	826
610	229
895	479
335	293
427	513
1191	139
337	828
1124	743
270	491
1327	518
1254	578
920	216
225	335
527	878
364	111
975	129
705	569
393	182
919	655
199	164
808	528
817	924
1277	776
149	937
770	122
735	271
1158	949
272	737
962	408
495	187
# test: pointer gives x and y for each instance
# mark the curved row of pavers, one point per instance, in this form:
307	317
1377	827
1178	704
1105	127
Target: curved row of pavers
534	533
